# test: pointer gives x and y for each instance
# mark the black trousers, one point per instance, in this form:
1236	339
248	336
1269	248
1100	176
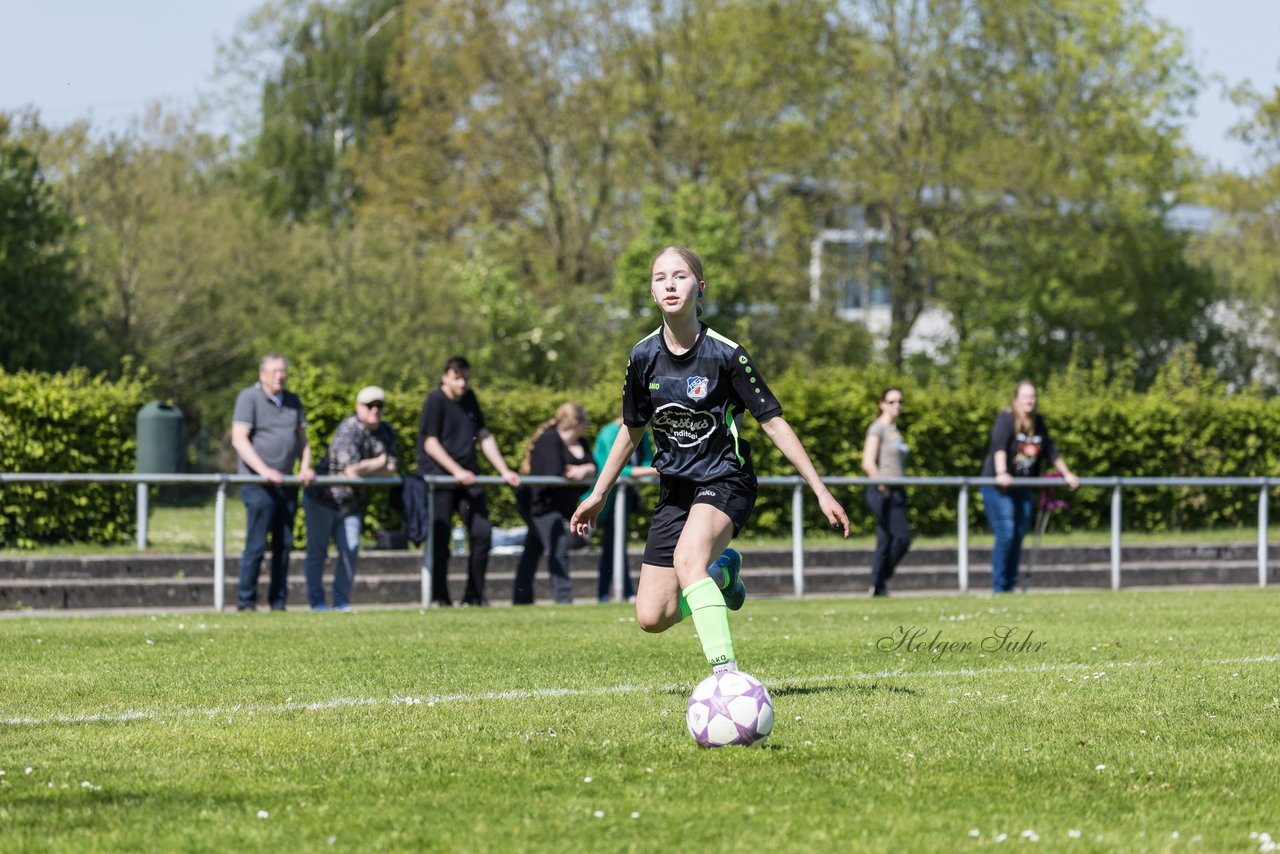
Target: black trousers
547	533
470	505
893	533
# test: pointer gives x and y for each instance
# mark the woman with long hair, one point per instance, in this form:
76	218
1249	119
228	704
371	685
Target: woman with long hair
1020	446
557	449
689	383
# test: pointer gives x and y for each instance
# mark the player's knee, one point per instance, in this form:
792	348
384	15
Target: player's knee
653	620
690	569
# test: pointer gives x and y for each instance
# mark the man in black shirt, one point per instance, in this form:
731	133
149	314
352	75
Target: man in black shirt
452	426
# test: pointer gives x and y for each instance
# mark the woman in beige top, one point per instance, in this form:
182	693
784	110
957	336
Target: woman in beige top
885	455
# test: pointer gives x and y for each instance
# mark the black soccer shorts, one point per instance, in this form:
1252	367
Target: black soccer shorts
734	496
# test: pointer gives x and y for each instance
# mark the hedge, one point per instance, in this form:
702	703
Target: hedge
1185	425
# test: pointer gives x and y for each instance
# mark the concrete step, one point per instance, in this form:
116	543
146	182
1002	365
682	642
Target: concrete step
397	580
375	562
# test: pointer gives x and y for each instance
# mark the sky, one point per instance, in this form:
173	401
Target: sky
106	60
1234	39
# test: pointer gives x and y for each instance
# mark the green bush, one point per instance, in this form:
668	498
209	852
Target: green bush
1187	424
68	422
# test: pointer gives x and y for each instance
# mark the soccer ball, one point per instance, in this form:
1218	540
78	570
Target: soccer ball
729	708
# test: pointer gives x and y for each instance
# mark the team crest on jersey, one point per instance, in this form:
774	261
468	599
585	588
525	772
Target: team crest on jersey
698	388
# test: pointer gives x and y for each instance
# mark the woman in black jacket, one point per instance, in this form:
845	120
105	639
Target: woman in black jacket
558	449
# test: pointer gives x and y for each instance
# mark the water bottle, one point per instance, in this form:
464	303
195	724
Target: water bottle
459	539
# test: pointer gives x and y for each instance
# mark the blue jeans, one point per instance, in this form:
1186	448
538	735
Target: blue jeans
268	511
325	524
1009	512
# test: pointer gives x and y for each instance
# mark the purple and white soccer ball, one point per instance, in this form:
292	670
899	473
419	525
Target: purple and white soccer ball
729	708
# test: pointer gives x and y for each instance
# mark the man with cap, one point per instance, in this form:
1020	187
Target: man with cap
363	446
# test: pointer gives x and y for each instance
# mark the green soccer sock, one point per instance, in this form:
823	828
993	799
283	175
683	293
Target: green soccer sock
685	610
711	619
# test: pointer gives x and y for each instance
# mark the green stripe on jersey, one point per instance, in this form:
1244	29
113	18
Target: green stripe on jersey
733	431
711	333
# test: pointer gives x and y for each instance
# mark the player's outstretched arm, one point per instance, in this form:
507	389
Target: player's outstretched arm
623	446
786	440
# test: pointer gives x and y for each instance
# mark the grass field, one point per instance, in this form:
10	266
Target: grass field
1145	721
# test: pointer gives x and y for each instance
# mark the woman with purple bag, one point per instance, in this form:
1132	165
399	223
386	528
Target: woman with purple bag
1020	446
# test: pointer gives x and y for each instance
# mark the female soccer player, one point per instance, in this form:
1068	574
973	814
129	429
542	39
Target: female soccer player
690	383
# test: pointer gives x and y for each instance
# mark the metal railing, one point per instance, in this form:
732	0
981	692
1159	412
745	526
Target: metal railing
964	485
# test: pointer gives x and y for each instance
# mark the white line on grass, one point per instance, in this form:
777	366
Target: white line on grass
544	693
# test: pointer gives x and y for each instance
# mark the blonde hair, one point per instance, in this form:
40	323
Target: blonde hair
695	266
567	415
1024	424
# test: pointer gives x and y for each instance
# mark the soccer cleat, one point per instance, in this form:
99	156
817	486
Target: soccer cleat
727	573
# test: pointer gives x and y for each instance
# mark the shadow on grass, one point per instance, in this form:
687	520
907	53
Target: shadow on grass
855	687
830	688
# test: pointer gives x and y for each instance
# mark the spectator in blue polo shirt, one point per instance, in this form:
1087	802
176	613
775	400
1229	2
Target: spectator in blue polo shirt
269	433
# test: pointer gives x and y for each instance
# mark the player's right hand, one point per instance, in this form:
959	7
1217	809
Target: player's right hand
585	516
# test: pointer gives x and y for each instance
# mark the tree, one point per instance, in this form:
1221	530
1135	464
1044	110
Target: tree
1241	248
739	95
190	281
697	216
537	127
506	157
328	92
41	295
1013	160
1014	157
509	129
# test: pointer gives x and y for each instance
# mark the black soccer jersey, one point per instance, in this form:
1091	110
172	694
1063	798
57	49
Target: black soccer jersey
692	401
